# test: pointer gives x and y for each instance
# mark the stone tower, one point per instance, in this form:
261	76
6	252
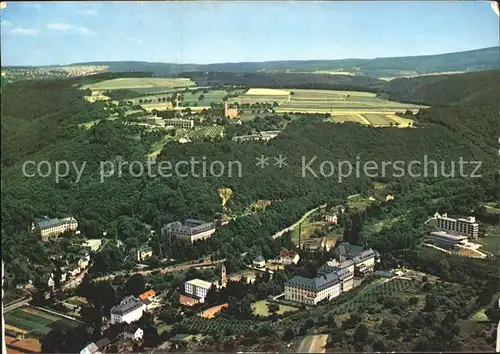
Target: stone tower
223	276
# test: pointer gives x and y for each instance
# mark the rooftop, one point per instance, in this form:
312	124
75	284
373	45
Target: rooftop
316	284
46	223
444	234
200	283
127	305
288	254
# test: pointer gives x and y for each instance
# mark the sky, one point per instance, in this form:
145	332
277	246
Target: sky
52	33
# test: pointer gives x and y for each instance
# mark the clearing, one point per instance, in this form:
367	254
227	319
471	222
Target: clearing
260	308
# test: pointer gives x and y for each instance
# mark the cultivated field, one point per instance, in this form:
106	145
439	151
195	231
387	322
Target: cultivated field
141	83
36	323
348	106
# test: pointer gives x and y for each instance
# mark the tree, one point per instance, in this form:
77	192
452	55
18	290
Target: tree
289	334
361	333
201	97
135	285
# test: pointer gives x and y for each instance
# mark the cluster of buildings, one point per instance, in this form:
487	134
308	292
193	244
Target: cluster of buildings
264	135
334	278
52	72
48	229
191	231
131	309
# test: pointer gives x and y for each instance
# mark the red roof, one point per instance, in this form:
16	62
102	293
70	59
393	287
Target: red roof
187	301
146	295
288	254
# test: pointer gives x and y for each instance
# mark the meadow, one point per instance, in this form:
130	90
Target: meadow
141	83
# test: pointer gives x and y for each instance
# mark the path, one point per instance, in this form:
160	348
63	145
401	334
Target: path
313	344
289	228
162	270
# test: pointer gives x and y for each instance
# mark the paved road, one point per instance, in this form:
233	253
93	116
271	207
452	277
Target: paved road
162	270
313	344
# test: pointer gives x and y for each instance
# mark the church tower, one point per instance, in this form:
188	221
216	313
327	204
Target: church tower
223	276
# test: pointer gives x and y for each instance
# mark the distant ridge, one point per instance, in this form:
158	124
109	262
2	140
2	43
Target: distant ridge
466	61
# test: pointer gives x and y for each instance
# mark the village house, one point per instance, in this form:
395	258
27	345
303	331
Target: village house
288	257
133	331
332	219
259	262
143	253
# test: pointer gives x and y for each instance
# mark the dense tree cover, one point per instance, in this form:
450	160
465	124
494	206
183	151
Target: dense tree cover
122	202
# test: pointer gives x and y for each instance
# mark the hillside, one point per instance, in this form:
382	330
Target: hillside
473	60
481	88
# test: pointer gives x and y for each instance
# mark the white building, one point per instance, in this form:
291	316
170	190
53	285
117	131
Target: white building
90	349
259	262
133	332
93	244
310	291
192	230
197	288
467	226
143	253
289	257
129	310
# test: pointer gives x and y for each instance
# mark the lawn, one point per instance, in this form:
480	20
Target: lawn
479	316
260	308
491	244
140	83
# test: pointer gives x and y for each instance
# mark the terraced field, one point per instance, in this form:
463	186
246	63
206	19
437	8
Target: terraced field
206	132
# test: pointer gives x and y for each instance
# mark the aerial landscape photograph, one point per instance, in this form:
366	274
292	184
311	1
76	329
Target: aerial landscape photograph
250	176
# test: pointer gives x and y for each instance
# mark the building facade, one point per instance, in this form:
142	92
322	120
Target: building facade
467	226
191	231
310	291
129	310
289	257
197	288
51	228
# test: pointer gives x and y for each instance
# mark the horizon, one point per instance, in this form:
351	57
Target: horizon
257	32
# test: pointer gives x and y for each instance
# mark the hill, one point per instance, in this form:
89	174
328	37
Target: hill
472	60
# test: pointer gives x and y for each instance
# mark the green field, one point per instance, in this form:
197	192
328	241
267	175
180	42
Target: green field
36	322
141	83
348	105
260	308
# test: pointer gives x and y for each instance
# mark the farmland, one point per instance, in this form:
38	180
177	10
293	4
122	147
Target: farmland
217	325
34	322
143	83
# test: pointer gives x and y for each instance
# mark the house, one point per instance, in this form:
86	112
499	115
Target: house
90	349
197	288
288	257
148	298
92	245
310	291
192	230
332	219
319	243
259	262
143	253
129	310
467	226
51	228
83	262
133	331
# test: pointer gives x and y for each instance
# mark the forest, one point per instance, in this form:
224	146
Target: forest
40	122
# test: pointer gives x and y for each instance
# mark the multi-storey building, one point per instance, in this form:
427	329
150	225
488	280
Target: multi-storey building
51	228
344	271
179	123
310	291
197	288
129	310
467	226
364	263
192	230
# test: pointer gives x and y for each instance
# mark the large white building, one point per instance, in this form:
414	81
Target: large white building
51	228
192	230
310	291
197	288
129	310
467	226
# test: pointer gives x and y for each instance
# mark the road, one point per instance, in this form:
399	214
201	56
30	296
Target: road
289	228
313	344
162	270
